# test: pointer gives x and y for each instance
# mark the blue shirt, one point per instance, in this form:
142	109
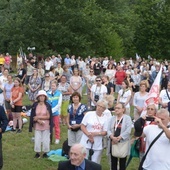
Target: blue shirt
81	166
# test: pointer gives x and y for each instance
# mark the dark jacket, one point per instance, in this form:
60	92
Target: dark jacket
3	120
31	125
89	165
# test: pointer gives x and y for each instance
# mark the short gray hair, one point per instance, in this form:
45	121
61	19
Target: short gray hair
163	111
103	102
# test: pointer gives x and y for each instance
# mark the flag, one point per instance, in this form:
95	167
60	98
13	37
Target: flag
137	57
153	95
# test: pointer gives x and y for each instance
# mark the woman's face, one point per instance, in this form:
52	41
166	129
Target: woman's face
142	88
9	78
63	79
16	83
76	72
75	99
110	66
6	72
151	111
35	72
42	98
124	86
119	110
100	108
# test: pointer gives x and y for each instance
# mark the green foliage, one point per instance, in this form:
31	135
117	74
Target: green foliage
152	36
92	27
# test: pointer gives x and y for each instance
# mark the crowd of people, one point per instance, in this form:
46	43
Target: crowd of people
55	86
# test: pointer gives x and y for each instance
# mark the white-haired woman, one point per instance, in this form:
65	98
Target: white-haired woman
41	121
94	127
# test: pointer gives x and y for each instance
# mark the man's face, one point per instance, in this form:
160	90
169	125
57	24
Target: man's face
164	118
76	156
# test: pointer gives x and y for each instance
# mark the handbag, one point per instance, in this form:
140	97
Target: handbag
144	157
134	151
120	150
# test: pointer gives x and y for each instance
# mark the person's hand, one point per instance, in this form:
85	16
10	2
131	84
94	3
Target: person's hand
159	122
35	118
75	126
90	136
119	138
164	105
144	117
91	140
115	140
41	122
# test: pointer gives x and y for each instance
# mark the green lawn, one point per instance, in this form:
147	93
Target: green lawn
19	155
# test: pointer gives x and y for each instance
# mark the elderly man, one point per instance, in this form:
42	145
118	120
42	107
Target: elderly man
77	160
158	156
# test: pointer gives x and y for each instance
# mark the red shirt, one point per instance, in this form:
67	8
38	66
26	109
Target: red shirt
120	76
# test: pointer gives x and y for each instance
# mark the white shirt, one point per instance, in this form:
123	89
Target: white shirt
164	97
94	123
98	90
124	96
48	64
158	157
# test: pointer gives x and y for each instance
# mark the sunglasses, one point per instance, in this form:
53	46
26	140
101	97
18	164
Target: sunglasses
150	109
91	71
98	80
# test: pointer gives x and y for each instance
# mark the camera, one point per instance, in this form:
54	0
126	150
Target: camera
150	119
96	98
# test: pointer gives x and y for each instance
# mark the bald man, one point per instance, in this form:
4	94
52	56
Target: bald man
77	160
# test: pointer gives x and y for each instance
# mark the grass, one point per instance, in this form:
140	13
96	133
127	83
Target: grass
18	151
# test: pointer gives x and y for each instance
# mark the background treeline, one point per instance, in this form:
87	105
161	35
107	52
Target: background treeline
86	27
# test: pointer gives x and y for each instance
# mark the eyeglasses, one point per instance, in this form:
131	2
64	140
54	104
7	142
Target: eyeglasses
91	71
98	80
118	108
101	106
150	108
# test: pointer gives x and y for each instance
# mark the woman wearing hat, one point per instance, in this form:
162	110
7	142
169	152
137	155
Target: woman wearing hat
41	121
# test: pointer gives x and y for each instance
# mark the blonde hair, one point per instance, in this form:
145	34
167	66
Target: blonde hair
110	99
144	82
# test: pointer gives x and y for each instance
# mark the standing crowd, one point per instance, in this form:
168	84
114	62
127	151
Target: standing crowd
55	88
